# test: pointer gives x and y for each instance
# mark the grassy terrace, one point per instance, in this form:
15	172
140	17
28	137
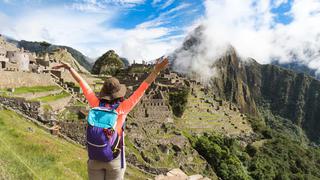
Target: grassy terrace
53	97
198	119
28	152
34	89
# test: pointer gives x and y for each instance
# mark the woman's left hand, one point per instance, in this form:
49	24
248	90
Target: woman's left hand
62	65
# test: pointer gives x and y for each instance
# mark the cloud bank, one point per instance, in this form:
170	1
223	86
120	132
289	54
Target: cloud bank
281	30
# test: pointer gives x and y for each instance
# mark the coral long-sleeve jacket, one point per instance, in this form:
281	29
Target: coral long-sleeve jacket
124	108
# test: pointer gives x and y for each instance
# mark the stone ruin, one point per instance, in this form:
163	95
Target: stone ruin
76	130
18	59
29	108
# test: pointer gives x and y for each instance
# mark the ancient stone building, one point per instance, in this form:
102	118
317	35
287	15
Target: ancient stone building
20	59
3	59
43	60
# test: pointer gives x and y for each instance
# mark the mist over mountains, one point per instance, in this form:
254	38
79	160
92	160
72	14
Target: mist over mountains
292	95
253	30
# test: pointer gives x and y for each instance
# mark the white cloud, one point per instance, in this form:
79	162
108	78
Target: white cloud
6	1
89	6
251	28
167	3
102	6
155	2
88	32
127	3
162	3
147	43
164	17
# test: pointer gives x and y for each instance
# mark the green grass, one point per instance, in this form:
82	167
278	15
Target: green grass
130	147
53	97
34	89
68	115
133	173
36	154
79	103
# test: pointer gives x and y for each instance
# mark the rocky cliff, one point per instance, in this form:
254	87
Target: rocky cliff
291	95
298	67
252	86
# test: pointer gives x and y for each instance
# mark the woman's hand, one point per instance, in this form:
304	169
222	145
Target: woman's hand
62	65
161	64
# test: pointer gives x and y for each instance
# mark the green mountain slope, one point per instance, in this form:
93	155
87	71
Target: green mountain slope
277	152
298	67
291	95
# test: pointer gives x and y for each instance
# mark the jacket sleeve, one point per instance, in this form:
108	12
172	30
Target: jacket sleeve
89	94
128	104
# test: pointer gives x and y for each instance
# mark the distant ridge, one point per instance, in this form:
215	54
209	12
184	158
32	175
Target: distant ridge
298	67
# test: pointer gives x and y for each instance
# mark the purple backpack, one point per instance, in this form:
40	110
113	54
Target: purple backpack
103	141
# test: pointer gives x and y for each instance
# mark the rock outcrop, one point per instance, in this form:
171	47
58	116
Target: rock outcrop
62	54
178	174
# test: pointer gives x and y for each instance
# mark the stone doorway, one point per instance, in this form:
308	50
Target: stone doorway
3	65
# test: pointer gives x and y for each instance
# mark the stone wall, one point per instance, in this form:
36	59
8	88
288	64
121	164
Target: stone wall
21	58
11	79
152	109
76	130
29	108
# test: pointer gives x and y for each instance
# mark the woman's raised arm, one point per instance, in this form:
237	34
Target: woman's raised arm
160	65
128	104
87	91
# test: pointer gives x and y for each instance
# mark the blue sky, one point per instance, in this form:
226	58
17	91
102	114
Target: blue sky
147	29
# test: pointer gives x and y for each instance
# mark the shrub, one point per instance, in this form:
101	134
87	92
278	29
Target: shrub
220	152
178	101
251	150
